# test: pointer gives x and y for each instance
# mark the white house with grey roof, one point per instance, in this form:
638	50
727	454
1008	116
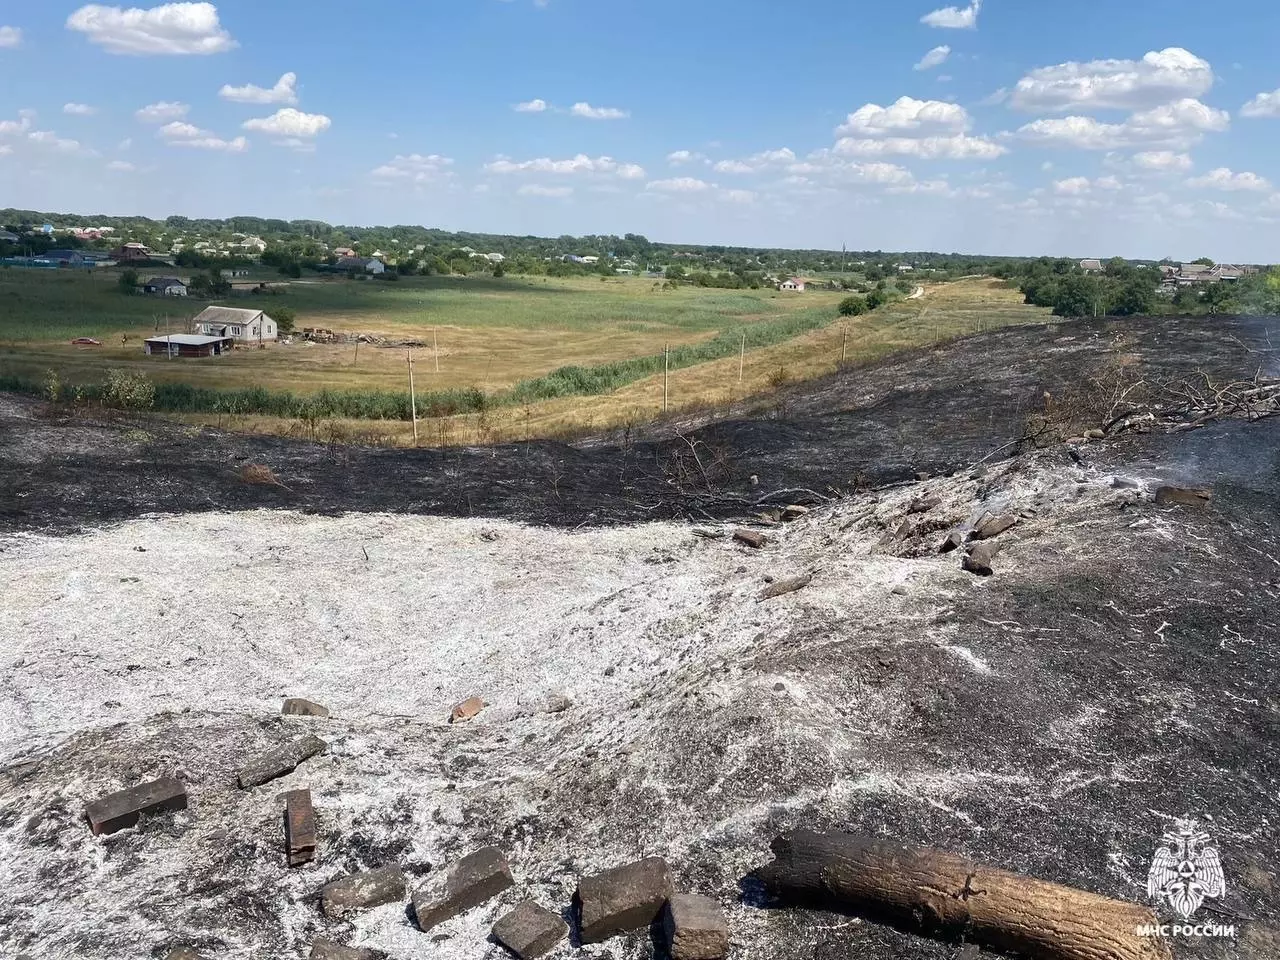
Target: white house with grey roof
243	326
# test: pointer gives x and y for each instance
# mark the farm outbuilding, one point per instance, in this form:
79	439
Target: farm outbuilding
247	326
188	345
165	287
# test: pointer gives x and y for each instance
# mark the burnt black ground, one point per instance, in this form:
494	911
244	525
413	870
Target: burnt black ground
933	410
1135	677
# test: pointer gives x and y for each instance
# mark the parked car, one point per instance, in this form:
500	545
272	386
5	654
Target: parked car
86	342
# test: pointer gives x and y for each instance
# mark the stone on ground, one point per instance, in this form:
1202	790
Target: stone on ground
124	808
362	891
696	928
750	538
530	930
298	707
466	710
328	950
785	586
994	526
280	761
980	557
1183	497
473	880
623	899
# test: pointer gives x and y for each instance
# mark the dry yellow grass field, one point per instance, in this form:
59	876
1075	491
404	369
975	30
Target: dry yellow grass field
946	311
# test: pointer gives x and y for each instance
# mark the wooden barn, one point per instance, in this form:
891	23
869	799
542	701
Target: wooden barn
188	345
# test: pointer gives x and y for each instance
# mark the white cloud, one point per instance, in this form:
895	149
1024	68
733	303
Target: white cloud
121	166
759	161
579	165
416	168
1175	125
537	190
906	117
1163	160
934	58
959	147
680	157
238	145
162	111
1079	186
10	37
588	112
531	106
180	134
1263	105
1169	74
49	139
12	127
1223	179
285	91
172	28
78	109
738	196
679	185
290	123
181	131
954	18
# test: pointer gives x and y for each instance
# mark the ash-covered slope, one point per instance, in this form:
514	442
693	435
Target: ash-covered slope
1118	670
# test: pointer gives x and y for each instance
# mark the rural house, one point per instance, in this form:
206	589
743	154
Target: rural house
342	252
360	265
130	252
165	287
793	284
233	323
1091	266
187	345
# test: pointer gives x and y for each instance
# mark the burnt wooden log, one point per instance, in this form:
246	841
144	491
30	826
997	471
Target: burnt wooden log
279	762
125	808
299	827
947	896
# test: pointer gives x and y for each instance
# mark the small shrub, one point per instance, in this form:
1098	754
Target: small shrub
128	391
51	388
779	378
853	306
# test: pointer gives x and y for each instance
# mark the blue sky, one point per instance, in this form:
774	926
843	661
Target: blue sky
1093	128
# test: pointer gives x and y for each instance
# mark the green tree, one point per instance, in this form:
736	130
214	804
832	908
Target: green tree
1218	297
128	281
853	306
1205	261
498	271
876	299
1135	297
285	318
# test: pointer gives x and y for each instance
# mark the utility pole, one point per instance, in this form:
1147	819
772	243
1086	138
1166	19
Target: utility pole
413	396
356	362
435	346
844	342
742	357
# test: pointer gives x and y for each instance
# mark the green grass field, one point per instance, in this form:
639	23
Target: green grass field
564	352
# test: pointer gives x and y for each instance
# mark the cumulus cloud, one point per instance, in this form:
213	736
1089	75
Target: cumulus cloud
1079	186
289	123
1263	105
579	165
50	140
10	37
415	168
1173	73
163	111
954	18
181	134
169	29
934	58
121	166
588	112
1223	179
738	196
78	109
1163	160
681	157
538	190
531	106
285	91
679	185
958	147
906	117
1174	125
756	162
238	145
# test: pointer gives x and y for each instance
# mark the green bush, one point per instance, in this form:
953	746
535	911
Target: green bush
128	391
853	306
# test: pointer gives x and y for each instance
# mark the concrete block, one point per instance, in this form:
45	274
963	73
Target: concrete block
530	930
623	899
473	880
280	761
124	808
696	928
362	891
